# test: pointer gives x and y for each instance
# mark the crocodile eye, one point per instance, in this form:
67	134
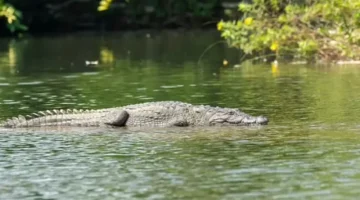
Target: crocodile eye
231	113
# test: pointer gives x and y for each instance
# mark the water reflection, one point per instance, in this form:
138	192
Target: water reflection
106	56
9	56
309	150
12	55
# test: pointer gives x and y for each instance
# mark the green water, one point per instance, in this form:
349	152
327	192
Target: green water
309	150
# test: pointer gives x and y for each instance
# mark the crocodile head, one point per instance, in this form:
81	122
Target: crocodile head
236	118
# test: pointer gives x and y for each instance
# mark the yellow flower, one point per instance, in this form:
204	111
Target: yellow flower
11	18
10	10
104	5
220	25
248	21
9	13
274	46
102	8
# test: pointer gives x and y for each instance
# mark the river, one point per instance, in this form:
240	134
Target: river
309	150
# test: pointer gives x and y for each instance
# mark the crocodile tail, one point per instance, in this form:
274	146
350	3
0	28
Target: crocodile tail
39	118
13	122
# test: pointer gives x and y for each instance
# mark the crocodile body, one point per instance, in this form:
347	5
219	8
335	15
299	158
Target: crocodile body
152	114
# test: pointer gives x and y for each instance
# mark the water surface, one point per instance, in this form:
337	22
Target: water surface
310	149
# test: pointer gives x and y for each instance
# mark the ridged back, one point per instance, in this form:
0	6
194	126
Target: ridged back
39	118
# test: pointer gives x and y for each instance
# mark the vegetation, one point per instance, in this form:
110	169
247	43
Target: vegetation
321	30
13	17
74	15
104	5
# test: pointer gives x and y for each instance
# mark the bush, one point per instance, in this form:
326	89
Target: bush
12	16
324	30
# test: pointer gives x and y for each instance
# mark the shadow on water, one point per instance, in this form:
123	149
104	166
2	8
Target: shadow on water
310	149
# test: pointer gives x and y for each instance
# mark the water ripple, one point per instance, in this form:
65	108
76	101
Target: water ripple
171	86
30	83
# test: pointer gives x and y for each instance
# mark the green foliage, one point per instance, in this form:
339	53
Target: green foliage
164	12
325	30
12	16
70	15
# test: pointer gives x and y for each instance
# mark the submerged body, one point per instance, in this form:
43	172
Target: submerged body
152	114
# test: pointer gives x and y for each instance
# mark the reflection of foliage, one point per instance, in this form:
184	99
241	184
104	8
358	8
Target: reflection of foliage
326	29
8	59
12	16
106	56
289	94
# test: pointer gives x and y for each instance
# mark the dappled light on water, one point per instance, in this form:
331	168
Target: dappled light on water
310	149
273	161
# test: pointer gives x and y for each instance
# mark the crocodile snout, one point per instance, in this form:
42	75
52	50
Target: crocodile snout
262	120
255	120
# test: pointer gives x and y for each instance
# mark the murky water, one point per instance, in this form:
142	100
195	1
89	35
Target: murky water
310	149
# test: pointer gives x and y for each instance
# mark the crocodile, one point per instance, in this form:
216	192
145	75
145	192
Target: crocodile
151	114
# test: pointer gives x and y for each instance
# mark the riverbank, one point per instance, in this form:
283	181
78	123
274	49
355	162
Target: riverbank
80	15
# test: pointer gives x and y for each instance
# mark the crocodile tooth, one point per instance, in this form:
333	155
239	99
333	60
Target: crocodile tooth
75	111
48	112
81	110
61	111
55	111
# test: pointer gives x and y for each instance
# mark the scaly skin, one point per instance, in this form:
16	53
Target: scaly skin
153	114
